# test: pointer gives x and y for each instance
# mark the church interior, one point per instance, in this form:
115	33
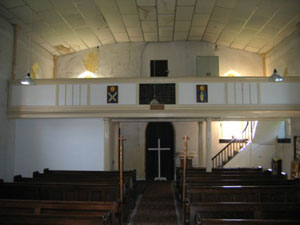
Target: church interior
144	112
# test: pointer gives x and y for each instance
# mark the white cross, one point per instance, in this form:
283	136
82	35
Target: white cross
159	149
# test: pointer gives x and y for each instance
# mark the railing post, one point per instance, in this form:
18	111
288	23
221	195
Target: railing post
184	178
208	145
121	139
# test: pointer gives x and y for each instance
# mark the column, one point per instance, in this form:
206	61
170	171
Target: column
208	146
107	144
200	144
114	148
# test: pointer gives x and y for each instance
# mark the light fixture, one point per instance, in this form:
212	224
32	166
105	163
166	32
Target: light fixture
154	101
27	80
275	77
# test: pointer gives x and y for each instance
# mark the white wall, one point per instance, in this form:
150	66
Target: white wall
243	159
216	146
134	146
182	58
75	144
267	132
115	60
253	155
189	129
285	55
29	53
6	50
262	155
133	59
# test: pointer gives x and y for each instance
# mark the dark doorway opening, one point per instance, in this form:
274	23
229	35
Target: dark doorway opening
163	131
159	68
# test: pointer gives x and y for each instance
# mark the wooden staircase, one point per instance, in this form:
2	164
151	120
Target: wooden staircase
234	146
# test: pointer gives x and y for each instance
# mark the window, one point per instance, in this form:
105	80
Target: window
159	68
164	93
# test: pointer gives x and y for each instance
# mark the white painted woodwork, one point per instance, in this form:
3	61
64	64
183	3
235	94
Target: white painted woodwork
231	93
76	94
253	93
83	94
187	93
126	93
246	93
238	93
280	93
69	94
61	95
37	95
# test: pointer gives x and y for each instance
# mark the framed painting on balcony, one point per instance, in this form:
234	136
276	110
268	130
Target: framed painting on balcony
202	93
112	94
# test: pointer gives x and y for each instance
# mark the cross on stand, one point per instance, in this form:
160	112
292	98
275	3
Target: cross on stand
158	149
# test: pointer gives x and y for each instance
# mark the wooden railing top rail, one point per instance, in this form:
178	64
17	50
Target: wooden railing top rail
243	210
56	219
201	221
224	169
47	170
223	149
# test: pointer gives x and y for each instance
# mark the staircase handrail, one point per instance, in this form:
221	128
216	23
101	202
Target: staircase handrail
223	149
228	151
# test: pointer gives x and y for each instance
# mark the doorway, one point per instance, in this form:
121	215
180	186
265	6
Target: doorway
159	133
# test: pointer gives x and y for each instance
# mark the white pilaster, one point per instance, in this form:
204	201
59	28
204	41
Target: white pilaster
107	160
200	144
208	145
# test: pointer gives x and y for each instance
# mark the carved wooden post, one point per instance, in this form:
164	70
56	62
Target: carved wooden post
185	138
121	139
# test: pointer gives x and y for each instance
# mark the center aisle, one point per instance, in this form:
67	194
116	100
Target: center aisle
157	205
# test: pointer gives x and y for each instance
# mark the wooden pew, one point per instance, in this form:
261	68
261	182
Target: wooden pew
235	179
66	208
129	177
78	172
234	173
88	174
238	182
200	170
283	193
244	210
244	182
64	192
104	219
48	172
82	180
203	194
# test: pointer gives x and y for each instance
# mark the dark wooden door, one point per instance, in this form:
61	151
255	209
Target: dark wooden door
165	132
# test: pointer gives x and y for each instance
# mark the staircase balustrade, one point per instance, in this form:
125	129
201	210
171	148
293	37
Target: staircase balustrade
234	146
